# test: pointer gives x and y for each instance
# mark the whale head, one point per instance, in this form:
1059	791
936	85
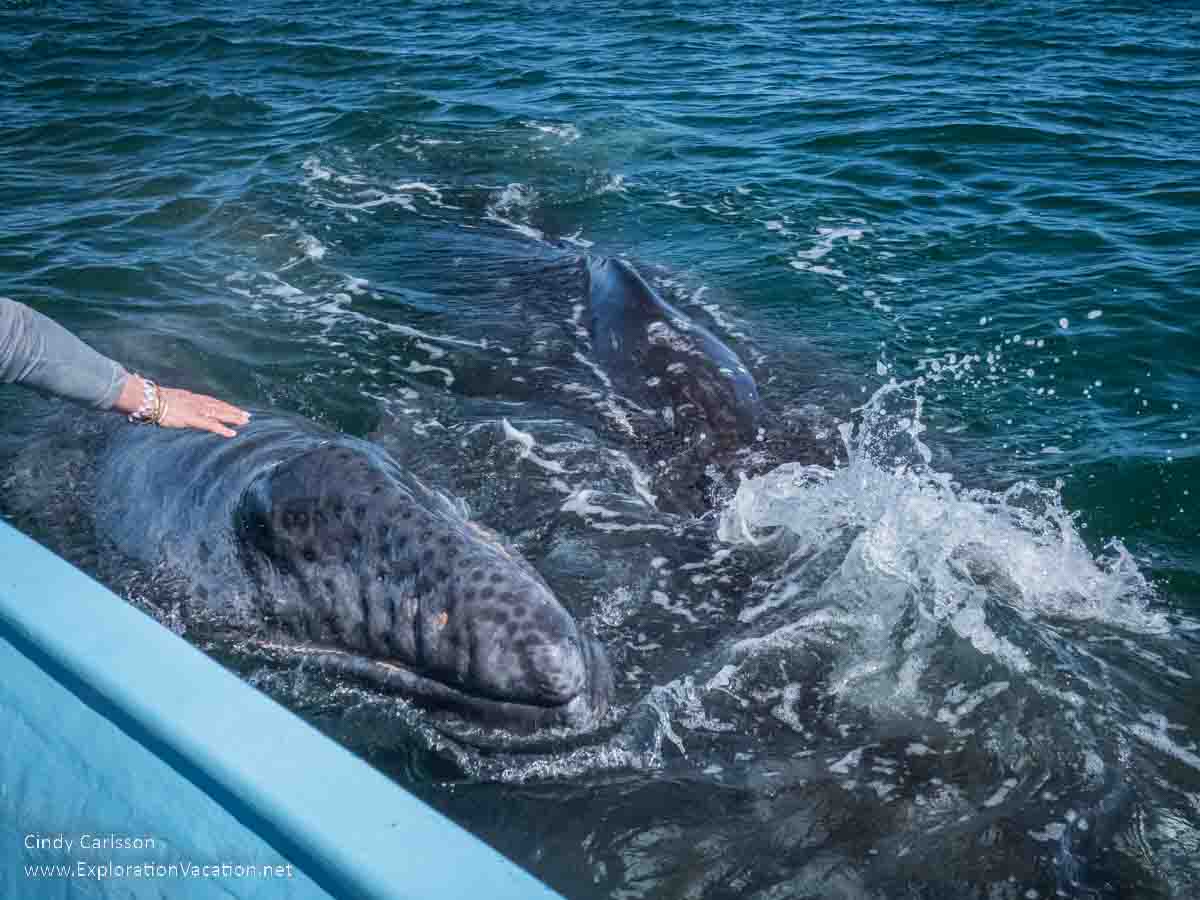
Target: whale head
376	576
649	346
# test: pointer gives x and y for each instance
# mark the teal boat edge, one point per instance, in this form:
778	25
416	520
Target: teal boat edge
133	765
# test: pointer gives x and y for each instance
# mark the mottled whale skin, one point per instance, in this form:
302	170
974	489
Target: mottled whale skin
652	351
323	544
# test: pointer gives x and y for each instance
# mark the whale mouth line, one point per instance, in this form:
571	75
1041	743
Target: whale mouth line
398	678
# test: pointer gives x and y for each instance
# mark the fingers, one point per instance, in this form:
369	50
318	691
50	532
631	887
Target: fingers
223	412
206	425
188	410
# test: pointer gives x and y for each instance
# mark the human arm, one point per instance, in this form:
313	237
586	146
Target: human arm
37	352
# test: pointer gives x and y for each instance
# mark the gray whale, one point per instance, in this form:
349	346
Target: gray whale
324	544
655	353
660	358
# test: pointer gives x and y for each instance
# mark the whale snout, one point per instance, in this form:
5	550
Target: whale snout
559	669
575	677
522	645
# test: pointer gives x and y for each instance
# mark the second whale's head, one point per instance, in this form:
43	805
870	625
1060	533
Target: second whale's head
648	346
374	575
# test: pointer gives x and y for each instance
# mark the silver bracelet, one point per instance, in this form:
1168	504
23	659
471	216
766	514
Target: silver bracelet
150	403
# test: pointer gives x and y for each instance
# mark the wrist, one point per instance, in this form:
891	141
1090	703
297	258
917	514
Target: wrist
151	408
130	398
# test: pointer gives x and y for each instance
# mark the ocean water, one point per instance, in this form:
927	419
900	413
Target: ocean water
943	643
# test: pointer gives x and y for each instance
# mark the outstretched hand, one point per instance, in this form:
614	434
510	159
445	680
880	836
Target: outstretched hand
185	409
188	410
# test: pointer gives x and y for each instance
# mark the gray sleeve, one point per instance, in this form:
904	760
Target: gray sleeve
39	353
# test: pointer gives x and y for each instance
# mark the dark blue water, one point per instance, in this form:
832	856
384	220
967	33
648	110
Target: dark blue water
964	669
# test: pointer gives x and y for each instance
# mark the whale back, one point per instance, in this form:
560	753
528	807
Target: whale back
167	498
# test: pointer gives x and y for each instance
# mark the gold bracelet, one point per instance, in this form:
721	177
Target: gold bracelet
161	412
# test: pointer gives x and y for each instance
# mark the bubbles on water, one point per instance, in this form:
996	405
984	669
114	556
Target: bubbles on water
511	208
1154	729
360	191
525	441
808	260
311	247
565	132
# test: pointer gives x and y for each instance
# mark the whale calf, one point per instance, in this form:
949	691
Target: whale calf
668	364
655	354
324	544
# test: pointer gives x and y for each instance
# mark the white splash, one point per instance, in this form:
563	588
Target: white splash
887	537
